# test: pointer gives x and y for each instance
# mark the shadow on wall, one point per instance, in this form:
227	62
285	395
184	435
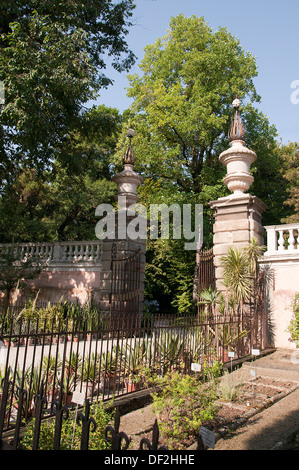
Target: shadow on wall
75	286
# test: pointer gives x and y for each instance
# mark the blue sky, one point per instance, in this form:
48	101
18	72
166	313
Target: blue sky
267	28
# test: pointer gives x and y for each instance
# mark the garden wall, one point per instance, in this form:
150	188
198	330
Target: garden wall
67	269
281	262
71	284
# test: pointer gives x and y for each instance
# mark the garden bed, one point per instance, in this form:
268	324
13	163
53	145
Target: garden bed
231	414
251	397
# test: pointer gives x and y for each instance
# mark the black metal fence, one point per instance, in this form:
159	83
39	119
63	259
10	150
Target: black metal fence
112	438
72	353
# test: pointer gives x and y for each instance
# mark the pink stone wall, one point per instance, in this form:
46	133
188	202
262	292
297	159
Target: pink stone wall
282	288
74	285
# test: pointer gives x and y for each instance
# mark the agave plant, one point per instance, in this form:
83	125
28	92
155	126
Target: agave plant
109	361
209	298
134	359
170	347
29	380
91	368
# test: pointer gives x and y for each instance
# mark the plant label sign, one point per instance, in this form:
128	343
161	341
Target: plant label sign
255	352
78	398
231	354
195	367
208	437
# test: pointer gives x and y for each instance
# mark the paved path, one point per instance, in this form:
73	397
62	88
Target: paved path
267	428
276	423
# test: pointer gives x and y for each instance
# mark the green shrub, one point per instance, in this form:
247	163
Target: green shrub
183	405
293	327
71	432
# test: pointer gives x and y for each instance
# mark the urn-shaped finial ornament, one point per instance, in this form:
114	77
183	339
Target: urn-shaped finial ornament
237	129
237	158
128	181
129	156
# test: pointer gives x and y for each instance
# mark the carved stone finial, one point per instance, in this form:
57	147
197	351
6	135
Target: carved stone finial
238	158
129	156
237	129
128	181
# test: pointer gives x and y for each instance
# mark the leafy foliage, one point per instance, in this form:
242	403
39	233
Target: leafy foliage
59	203
293	327
290	172
185	404
71	432
52	56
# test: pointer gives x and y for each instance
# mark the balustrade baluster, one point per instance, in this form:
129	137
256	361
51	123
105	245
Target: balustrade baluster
291	240
281	241
75	253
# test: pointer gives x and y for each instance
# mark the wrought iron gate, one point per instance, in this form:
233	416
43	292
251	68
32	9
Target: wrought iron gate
125	288
205	271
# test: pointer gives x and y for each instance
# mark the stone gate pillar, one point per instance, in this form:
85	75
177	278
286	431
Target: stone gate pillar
122	241
238	217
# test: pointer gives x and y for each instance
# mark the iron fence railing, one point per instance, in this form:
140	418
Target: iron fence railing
113	438
97	359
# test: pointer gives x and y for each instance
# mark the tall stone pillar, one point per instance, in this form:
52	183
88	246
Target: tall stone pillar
122	275
238	217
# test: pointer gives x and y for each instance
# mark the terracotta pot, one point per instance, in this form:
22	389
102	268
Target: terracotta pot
132	386
67	398
223	352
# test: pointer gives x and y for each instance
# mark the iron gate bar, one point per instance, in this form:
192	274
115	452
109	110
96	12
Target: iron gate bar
125	286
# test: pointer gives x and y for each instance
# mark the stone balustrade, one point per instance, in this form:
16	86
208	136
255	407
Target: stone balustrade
282	239
69	254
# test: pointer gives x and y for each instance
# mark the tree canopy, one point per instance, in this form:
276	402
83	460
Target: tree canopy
181	112
52	60
57	157
60	203
182	108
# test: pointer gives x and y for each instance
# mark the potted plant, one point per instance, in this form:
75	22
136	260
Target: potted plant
71	376
134	359
90	375
108	368
227	336
29	380
50	367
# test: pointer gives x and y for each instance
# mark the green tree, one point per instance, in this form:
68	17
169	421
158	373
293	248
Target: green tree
184	98
290	172
182	110
52	60
59	204
181	114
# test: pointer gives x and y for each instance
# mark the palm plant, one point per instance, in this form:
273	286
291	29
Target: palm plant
237	276
253	252
209	298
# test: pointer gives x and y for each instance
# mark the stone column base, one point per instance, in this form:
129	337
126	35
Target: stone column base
238	219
